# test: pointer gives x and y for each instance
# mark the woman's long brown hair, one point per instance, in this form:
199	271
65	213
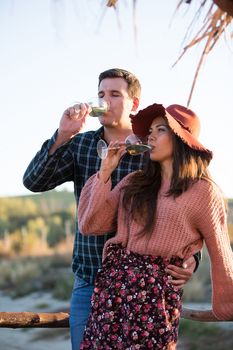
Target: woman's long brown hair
140	195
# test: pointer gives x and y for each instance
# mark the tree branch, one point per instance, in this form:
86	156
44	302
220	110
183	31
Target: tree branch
34	320
61	319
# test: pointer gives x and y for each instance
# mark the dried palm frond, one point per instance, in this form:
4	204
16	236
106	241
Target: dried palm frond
111	3
218	17
225	5
215	23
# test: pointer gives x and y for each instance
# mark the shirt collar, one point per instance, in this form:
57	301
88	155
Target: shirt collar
99	133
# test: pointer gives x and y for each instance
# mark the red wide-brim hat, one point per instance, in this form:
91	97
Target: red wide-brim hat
182	121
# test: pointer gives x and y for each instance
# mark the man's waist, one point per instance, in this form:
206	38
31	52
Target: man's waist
85	273
87	256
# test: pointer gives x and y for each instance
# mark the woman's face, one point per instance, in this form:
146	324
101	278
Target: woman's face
160	139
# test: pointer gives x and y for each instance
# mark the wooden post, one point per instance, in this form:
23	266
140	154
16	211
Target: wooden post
61	319
198	315
34	320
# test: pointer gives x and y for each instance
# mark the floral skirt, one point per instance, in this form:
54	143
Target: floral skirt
134	305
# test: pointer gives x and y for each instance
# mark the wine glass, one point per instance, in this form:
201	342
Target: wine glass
133	145
98	107
102	149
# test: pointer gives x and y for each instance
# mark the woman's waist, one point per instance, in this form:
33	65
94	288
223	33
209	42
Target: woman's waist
125	254
182	249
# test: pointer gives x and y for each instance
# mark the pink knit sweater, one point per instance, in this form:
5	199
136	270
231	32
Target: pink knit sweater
181	226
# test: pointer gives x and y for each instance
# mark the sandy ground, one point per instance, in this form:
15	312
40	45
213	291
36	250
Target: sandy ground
33	339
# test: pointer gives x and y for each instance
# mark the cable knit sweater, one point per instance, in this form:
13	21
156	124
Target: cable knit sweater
181	226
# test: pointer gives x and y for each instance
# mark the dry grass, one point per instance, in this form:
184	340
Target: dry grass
32	245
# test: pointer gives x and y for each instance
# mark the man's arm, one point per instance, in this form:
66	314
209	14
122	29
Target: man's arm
72	121
45	172
53	164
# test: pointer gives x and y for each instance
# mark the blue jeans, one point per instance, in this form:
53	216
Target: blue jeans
80	307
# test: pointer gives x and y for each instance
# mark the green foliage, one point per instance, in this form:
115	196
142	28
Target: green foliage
230	212
48	216
204	336
193	329
63	287
52	201
198	289
14	212
20	273
17	207
22	276
55	230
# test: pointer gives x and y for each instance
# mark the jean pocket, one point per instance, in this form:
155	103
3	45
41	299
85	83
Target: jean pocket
79	283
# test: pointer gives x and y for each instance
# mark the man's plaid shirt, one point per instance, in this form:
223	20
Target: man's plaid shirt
76	161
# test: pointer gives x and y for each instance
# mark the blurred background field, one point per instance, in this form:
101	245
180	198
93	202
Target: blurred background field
36	241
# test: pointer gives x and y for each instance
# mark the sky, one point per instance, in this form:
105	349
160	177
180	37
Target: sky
51	54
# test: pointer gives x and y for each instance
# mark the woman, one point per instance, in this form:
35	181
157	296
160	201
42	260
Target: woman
162	214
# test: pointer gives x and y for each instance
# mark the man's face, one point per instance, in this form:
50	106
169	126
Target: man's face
114	92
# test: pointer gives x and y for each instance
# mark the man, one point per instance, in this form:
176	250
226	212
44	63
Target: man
71	156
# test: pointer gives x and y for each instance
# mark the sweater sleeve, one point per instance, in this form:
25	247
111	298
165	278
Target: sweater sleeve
98	205
213	227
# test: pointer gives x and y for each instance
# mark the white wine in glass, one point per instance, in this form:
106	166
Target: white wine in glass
133	145
98	107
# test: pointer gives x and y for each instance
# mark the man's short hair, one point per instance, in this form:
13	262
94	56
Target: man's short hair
134	86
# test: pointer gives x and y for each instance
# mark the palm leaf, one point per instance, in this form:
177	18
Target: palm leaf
218	17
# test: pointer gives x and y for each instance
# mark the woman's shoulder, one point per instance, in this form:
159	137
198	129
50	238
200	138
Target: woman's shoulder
207	184
208	189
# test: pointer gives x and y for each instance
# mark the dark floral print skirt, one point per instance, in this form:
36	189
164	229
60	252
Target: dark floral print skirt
134	305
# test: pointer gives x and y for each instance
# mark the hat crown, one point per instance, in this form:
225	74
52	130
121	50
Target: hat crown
186	118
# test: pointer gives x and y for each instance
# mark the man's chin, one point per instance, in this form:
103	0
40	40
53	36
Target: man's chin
105	121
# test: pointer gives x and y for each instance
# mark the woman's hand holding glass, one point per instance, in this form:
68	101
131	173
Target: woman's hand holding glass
110	162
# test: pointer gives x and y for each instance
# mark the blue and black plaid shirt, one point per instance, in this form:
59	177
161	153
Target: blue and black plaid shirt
76	161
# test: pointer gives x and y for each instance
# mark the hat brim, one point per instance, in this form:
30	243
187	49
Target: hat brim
141	123
185	135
